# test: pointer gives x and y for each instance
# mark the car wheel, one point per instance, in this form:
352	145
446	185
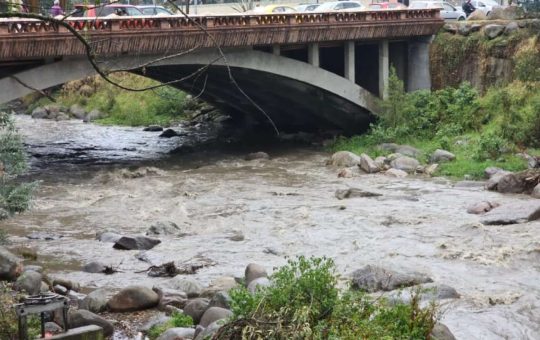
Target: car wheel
461	18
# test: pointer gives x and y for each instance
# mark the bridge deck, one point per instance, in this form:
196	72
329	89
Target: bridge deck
34	39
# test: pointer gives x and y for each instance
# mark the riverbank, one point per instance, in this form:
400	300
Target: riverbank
232	211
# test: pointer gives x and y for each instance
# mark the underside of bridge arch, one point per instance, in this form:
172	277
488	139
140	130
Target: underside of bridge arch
291	104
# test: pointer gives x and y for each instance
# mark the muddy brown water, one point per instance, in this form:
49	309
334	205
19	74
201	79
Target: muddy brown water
284	206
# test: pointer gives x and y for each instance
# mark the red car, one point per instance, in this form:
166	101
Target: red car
103	11
386	5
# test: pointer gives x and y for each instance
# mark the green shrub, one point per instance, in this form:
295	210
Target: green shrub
490	146
303	302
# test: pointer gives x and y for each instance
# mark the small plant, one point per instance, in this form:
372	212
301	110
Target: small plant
176	320
490	146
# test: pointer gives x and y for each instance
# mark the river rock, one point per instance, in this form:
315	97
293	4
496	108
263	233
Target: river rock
77	111
208	332
492	31
29	282
10	265
164	228
191	287
440	156
153	128
405	150
381	162
505	13
156	320
482	207
133	298
536	191
405	163
168	133
427	292
353	192
493	181
62	116
220	284
374	279
39	113
213	314
254	271
170	297
257	283
512	213
93	115
53	328
196	308
221	299
368	165
178	333
57	289
511	28
519	182
431	169
35	268
344	159
136	242
257	155
108	236
96	301
70	285
83	317
491	170
441	332
450	28
75	298
395	173
94	267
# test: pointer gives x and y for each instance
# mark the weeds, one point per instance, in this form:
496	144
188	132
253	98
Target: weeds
177	320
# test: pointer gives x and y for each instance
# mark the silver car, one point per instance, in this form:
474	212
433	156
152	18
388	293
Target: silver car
448	11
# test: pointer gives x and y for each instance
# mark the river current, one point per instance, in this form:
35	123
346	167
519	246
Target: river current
95	179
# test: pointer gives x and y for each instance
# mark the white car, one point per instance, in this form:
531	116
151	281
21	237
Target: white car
485	5
307	7
448	11
338	6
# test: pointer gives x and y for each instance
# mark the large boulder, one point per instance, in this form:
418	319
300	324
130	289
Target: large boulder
519	182
136	243
344	158
374	279
77	111
254	271
395	173
368	165
405	150
405	163
506	13
133	298
536	191
492	31
494	179
512	213
39	113
29	282
258	283
441	332
213	314
164	228
196	308
83	317
178	333
208	332
221	299
440	156
477	15
70	285
221	284
10	265
96	301
170	297
511	27
191	287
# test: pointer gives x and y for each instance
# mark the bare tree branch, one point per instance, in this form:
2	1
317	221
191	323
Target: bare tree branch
33	88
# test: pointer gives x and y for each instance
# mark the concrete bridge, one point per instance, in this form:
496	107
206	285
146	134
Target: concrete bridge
305	70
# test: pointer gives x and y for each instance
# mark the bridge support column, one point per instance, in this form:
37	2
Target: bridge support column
313	54
276	49
383	69
418	65
349	61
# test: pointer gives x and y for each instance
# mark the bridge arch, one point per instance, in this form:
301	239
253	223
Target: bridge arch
295	94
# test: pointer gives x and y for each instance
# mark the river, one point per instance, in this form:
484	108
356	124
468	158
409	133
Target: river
284	206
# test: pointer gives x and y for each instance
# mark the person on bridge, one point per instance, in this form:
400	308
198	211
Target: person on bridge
468	7
56	9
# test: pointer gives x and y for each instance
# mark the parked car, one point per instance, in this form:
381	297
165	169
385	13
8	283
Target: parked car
154	10
103	11
307	7
485	5
448	12
274	9
386	5
338	6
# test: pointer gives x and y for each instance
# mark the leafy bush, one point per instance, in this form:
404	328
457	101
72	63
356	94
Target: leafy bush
177	320
490	146
303	302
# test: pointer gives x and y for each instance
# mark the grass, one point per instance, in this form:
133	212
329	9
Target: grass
162	106
177	320
304	302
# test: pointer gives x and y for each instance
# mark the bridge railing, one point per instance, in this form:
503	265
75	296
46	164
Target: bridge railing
25	26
